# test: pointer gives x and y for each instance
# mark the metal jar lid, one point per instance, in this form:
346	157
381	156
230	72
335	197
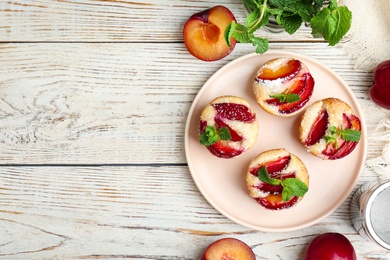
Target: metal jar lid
377	215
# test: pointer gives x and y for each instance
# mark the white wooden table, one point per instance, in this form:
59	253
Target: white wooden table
94	96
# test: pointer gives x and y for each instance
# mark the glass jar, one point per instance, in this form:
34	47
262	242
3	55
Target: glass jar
370	211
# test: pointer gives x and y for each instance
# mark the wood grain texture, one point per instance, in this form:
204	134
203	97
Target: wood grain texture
94	96
133	212
110	20
100	103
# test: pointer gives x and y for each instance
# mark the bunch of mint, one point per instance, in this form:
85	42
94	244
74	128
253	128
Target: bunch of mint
330	22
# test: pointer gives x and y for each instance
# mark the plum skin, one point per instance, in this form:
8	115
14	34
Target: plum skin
380	90
203	33
330	246
228	248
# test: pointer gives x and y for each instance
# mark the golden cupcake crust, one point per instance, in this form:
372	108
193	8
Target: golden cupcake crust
248	130
336	110
294	165
263	89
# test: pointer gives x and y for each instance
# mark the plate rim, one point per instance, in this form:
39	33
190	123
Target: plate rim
275	53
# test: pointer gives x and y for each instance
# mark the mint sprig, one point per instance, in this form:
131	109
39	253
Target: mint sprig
345	134
291	186
286	97
330	22
211	135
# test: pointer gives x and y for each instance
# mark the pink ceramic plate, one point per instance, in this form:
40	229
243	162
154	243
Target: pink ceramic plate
222	181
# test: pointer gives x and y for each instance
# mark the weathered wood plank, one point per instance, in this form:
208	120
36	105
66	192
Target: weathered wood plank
133	212
111	20
100	103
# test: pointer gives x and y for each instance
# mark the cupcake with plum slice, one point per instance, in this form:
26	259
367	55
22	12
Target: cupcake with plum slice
329	129
277	179
283	86
228	126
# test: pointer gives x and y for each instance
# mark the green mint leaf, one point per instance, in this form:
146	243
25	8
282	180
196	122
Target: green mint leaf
264	177
293	187
330	139
228	33
322	24
261	44
286	195
290	23
209	137
333	5
319	2
346	134
281	97
350	135
303	8
252	18
286	98
258	17
344	20
250	4
241	34
291	97
331	23
333	130
224	133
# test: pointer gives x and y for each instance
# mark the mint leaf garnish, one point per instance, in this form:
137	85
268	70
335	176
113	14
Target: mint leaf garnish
351	135
224	133
291	23
291	186
286	98
331	23
228	33
264	177
347	134
211	135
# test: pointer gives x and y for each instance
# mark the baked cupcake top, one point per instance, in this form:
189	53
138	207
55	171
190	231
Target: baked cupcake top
277	179
228	126
283	86
329	129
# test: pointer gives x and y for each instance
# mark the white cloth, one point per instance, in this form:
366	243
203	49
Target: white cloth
368	43
381	164
369	36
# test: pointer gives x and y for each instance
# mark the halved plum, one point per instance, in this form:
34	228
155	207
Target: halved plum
228	249
203	33
286	71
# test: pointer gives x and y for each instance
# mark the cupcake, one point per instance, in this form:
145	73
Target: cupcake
329	129
283	86
228	126
277	179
